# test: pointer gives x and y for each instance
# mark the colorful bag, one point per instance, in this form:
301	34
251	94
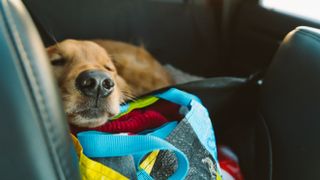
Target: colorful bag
179	149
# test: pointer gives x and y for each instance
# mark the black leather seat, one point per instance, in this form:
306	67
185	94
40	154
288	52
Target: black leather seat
290	106
35	143
278	140
273	128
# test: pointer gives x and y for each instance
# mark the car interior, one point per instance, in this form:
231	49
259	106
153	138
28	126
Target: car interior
261	85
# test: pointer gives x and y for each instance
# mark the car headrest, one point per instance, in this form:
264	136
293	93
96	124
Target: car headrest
35	143
290	105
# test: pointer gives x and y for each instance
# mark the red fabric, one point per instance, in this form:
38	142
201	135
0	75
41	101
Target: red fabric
228	163
134	122
167	109
139	120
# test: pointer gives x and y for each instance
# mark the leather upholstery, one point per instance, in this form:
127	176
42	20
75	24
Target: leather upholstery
279	143
215	92
34	138
33	125
174	31
290	106
281	140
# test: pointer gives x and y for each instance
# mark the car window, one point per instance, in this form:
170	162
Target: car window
307	9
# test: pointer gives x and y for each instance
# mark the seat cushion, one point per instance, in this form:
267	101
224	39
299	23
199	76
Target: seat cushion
290	106
35	142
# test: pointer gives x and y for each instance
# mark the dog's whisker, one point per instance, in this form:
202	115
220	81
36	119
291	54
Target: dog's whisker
127	96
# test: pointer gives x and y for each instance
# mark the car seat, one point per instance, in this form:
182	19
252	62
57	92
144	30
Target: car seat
273	127
290	102
35	143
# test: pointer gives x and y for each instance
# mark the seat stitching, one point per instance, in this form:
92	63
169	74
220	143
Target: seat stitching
33	78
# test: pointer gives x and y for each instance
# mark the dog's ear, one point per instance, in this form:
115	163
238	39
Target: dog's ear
55	57
52	52
51	49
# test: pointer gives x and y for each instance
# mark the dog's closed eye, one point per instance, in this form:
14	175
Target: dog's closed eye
59	62
108	68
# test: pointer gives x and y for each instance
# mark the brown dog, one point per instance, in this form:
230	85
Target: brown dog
95	77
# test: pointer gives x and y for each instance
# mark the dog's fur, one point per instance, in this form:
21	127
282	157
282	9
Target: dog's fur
133	70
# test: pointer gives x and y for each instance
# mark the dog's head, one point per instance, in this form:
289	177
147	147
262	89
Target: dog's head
90	86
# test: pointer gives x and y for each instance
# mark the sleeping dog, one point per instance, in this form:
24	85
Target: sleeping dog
96	76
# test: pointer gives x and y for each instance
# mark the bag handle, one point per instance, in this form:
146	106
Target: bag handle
98	144
178	97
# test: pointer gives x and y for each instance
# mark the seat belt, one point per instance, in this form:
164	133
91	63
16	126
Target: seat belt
46	33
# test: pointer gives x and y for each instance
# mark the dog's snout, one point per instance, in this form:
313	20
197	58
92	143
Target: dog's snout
94	83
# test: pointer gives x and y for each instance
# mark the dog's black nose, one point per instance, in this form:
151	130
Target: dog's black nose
94	83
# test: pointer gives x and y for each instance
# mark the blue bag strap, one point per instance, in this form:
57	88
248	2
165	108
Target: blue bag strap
97	144
197	111
173	95
179	97
162	133
143	175
164	130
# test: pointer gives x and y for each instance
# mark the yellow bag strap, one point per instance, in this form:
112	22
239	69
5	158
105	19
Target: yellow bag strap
91	169
148	163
